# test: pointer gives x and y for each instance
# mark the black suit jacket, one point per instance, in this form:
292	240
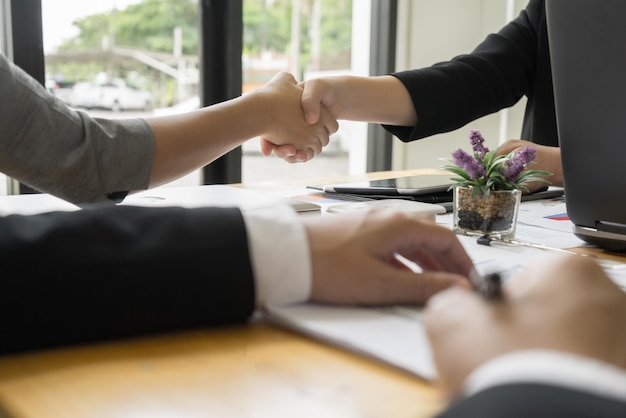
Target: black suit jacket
109	272
506	66
525	400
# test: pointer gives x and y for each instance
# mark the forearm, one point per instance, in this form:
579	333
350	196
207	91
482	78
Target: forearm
274	112
122	271
381	99
187	142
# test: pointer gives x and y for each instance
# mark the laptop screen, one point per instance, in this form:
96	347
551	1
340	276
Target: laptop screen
588	54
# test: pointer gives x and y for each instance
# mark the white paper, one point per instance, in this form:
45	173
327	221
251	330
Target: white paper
395	335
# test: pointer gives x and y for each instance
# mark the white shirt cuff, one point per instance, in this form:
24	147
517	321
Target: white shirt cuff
551	368
279	251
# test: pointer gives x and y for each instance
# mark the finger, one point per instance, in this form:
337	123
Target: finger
283	77
307	154
378	282
435	282
266	147
292	160
300	156
434	247
284	151
323	137
316	146
328	121
451	308
426	261
445	302
325	140
311	103
403	286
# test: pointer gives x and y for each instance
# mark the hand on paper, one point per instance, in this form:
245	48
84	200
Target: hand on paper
567	303
354	260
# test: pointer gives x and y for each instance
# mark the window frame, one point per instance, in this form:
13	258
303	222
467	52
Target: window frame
24	44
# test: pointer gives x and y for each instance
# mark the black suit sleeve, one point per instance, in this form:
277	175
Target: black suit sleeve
110	272
535	400
507	65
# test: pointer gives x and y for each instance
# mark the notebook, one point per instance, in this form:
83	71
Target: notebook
588	54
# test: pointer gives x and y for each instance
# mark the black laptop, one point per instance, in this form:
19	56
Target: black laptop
588	53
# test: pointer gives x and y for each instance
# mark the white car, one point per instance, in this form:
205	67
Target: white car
186	105
116	95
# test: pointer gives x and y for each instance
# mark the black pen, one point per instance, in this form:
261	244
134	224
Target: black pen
489	285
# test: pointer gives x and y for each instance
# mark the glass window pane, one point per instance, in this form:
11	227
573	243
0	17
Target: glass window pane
145	51
309	38
123	58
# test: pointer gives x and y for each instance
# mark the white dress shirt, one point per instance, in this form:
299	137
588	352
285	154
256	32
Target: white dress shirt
280	255
549	367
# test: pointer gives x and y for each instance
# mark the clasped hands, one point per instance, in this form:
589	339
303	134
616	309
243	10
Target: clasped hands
289	134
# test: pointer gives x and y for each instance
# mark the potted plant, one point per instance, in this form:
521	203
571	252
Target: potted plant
489	187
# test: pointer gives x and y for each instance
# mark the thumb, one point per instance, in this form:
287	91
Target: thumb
311	104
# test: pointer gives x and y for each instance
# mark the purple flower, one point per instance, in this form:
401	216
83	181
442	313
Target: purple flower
483	170
465	161
517	164
478	143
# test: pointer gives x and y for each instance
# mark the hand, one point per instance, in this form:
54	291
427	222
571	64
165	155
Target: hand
547	158
287	128
567	304
354	263
381	99
318	103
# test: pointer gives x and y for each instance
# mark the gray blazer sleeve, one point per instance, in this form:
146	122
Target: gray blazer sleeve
58	150
119	271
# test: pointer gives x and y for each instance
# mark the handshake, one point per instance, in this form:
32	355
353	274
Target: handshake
299	118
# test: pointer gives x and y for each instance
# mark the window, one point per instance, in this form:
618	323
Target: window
153	44
310	38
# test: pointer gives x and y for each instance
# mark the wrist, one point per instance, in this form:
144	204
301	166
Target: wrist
255	113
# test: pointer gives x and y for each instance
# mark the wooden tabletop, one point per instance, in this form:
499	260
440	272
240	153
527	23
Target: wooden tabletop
252	370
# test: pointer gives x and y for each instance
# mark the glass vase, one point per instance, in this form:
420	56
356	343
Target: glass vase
493	214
